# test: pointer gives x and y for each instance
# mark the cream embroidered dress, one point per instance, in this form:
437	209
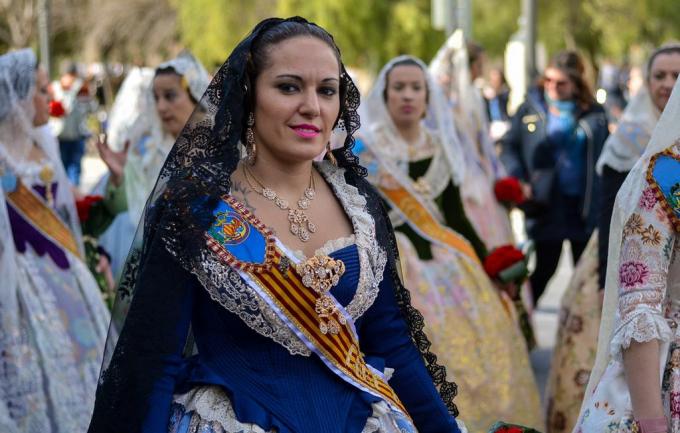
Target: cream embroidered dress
53	321
642	300
580	310
475	338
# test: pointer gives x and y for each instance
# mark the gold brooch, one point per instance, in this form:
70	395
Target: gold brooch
321	273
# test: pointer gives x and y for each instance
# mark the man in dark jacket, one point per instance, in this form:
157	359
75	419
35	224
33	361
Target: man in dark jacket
553	143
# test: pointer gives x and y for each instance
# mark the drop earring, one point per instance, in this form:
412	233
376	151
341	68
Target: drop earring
329	152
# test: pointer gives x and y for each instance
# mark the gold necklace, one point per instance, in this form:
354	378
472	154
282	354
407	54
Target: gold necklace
300	225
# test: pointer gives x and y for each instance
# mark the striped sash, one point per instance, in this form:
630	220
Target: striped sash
267	268
42	217
423	222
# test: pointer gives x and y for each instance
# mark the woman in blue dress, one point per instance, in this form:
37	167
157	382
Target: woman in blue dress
266	293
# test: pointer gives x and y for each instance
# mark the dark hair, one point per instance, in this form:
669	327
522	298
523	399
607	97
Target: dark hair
664	49
571	64
258	59
169	70
474	51
405	62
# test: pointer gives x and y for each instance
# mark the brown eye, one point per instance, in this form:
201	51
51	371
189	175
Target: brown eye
328	91
288	88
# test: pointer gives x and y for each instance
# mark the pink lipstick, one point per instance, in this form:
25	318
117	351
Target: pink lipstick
306	131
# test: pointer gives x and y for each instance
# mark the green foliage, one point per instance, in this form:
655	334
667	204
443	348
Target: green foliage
494	22
370	32
212	28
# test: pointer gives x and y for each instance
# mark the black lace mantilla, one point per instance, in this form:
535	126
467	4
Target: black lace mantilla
195	175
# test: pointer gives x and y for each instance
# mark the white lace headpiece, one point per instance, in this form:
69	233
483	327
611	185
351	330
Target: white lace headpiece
376	122
451	71
134	118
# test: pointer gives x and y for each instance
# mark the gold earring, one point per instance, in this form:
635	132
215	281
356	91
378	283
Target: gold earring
329	152
251	147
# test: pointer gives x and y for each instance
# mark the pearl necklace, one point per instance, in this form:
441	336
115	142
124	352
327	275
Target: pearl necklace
300	225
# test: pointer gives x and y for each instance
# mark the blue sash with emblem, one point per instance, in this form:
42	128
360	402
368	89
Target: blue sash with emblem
663	175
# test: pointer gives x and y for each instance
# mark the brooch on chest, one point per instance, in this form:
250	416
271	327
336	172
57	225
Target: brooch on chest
321	274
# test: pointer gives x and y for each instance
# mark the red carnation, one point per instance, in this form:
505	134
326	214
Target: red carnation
57	109
509	429
509	191
502	258
85	204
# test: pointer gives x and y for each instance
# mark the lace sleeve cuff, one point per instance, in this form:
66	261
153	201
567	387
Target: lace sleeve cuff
644	326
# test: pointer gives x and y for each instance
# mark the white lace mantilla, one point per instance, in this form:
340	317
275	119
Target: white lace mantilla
227	288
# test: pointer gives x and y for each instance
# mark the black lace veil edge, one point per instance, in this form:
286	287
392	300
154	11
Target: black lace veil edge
195	174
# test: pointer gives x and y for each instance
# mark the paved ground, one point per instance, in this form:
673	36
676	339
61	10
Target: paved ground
545	319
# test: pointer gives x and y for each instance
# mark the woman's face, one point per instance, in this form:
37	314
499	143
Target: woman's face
173	103
406	95
662	76
297	100
558	85
41	98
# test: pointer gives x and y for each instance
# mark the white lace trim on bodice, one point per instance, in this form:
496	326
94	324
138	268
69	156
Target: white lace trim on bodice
227	288
28	171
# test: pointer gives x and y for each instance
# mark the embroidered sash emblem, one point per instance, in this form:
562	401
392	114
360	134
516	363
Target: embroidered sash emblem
663	175
238	238
229	228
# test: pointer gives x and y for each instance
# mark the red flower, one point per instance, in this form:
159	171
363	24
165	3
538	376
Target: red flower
509	191
85	204
501	258
509	429
57	109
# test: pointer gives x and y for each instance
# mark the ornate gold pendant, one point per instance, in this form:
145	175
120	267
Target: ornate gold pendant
321	273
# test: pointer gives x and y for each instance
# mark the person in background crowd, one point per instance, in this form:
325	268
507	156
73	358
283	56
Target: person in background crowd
410	147
576	343
553	144
74	94
635	381
53	320
148	115
496	96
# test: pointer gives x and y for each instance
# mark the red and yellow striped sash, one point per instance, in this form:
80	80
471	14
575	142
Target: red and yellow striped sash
283	285
426	223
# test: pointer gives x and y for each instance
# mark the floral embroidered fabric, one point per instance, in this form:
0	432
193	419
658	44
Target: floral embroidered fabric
648	309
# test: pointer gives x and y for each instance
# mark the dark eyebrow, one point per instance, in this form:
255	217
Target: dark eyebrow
299	78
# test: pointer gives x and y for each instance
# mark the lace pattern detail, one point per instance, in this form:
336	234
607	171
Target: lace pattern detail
372	258
226	287
644	325
27	171
210	410
330	246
